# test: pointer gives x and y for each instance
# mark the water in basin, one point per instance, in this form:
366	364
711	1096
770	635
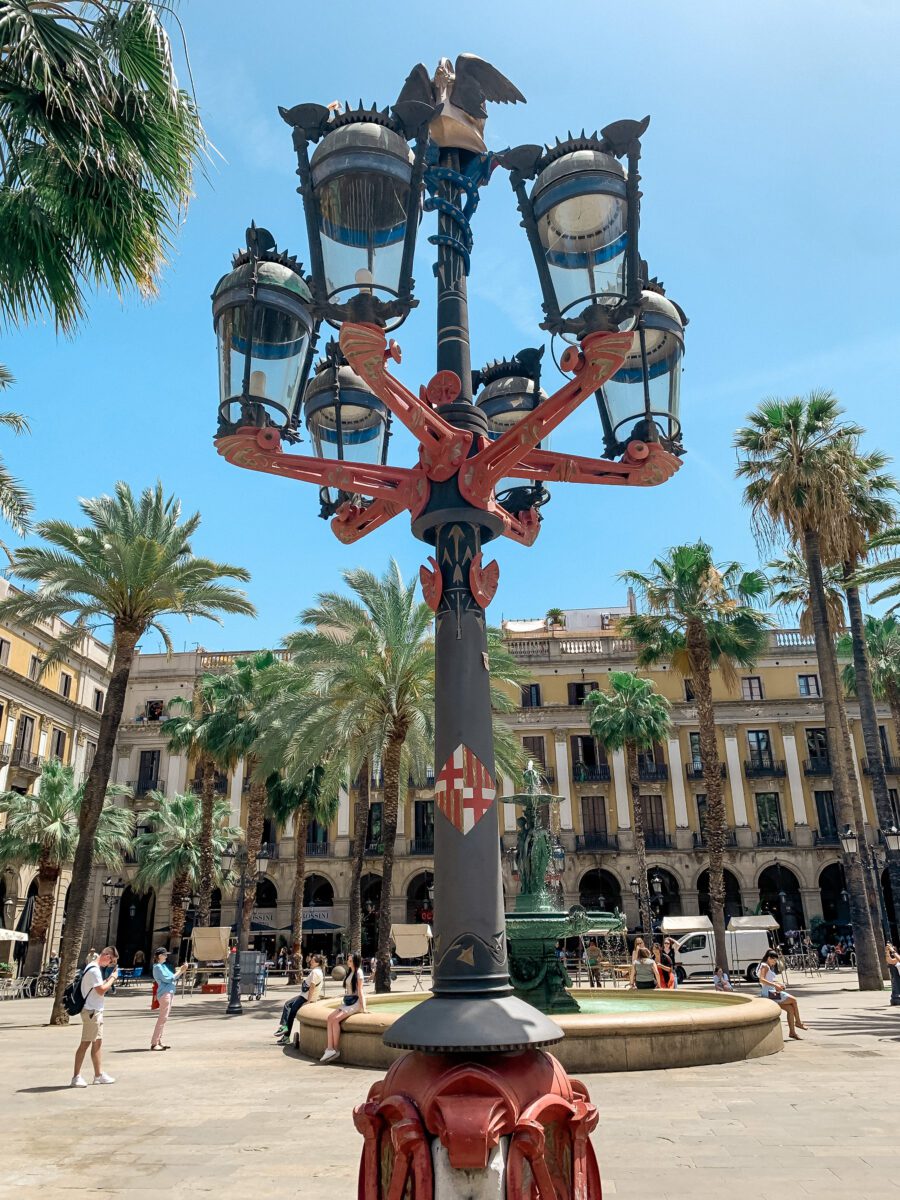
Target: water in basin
596	1006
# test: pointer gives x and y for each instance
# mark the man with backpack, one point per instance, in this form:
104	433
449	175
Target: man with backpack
85	997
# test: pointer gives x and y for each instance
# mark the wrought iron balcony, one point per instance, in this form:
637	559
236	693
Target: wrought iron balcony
599	773
426	781
760	766
374	849
269	850
654	772
318	849
829	838
655	840
694	770
817	766
5	754
891	765
774	837
24	760
596	841
140	787
424	846
700	840
220	787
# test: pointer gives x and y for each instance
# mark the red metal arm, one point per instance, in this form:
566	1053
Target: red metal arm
644	464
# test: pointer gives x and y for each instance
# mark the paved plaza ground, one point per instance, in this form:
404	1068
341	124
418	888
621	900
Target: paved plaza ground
228	1112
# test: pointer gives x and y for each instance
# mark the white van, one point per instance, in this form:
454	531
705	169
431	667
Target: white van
746	941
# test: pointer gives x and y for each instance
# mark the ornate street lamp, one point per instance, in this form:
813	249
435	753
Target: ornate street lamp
656	884
892	839
262	313
635	887
362	190
849	840
236	856
112	892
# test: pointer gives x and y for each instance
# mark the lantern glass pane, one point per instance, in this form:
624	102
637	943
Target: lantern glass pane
278	349
362	418
624	393
584	238
363	230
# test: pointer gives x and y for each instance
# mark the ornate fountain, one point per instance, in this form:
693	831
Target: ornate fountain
539	919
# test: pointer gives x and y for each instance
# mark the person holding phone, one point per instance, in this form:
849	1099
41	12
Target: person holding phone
771	989
94	988
353	1001
165	979
892	958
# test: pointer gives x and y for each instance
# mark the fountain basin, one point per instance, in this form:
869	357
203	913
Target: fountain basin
616	1030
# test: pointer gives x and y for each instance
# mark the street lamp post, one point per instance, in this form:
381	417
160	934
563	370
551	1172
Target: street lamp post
236	856
363	188
112	892
851	844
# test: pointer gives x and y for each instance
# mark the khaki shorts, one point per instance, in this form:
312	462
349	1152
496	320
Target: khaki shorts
91	1025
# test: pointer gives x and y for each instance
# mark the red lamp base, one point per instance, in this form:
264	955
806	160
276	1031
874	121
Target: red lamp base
468	1106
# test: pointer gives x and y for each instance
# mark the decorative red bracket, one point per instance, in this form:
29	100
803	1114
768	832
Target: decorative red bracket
444	450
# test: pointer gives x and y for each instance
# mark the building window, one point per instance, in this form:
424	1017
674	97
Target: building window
817	747
768	816
689	690
534	749
808	685
423	823
760	748
751	687
374	827
34	667
885	744
696	756
894	798
578	691
593	814
65	685
5	647
98	700
58	745
531	695
89	751
654	820
154	710
825	813
148	772
701	815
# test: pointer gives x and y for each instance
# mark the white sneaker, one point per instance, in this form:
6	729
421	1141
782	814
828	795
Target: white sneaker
78	1081
103	1078
329	1055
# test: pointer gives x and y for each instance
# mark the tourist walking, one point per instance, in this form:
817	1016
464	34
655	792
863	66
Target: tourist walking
164	978
771	989
353	1001
310	992
892	958
94	988
644	971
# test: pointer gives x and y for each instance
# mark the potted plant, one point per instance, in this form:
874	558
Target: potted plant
556	618
5	970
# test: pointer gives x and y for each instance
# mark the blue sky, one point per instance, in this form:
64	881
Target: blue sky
770	179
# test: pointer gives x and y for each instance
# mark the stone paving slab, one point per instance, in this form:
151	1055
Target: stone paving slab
228	1112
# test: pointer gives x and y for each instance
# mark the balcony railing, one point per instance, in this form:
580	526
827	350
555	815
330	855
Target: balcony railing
774	837
599	773
318	849
374	849
562	645
421	846
5	754
426	781
596	841
762	766
654	772
655	840
817	766
140	787
828	838
26	761
694	770
131	854
700	841
546	773
220	787
269	849
891	766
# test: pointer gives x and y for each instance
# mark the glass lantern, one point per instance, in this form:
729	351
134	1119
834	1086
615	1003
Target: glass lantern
508	396
262	313
344	417
641	401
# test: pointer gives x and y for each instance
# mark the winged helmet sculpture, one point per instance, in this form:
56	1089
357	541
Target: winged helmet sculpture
458	92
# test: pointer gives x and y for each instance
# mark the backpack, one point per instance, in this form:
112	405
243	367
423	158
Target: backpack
73	998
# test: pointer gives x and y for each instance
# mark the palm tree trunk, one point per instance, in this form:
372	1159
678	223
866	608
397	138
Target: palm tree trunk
701	670
301	824
358	853
256	815
392	754
48	877
868	964
181	890
124	643
640	847
207	802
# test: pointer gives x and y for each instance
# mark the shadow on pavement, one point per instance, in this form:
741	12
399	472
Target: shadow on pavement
58	1087
881	1024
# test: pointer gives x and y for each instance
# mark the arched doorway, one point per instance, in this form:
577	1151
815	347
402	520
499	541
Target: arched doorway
665	894
599	891
370	901
215	907
779	894
318	895
264	924
135	928
833	892
734	906
418	899
317	892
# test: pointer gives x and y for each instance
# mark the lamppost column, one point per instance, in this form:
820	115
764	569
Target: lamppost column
453	352
235	1008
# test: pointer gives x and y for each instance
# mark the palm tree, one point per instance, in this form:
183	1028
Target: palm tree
882	636
701	615
131	565
798	459
97	148
370	661
169	850
304	804
42	830
16	505
789	588
631	716
886	571
555	618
